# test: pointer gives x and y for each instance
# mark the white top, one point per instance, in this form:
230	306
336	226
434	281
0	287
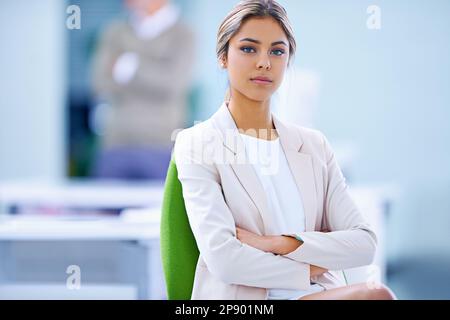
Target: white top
284	200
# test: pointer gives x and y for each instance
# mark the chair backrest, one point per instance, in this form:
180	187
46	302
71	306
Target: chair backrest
179	251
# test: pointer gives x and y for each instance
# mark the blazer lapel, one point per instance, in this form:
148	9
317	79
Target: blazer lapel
251	183
243	169
301	166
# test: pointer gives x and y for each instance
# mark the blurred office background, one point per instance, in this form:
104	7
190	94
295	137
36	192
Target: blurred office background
381	96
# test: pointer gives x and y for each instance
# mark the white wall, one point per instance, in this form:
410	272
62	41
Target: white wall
383	93
32	74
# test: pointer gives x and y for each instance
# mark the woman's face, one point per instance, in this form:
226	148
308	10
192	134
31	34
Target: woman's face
257	58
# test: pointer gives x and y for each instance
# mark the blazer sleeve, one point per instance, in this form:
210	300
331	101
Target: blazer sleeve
214	228
351	242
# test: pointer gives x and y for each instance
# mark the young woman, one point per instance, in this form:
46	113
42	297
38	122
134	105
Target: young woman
266	200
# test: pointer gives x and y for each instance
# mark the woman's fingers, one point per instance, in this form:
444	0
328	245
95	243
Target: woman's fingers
240	233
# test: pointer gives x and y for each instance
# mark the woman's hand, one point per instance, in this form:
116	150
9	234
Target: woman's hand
316	271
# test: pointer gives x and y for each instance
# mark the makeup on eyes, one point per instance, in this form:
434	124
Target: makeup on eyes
245	50
275	43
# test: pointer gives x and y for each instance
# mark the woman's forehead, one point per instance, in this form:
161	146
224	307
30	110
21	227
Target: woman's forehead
265	30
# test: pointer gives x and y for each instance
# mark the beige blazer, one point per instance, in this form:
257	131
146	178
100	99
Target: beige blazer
146	110
221	191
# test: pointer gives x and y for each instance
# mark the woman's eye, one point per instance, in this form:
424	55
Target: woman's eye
278	52
248	49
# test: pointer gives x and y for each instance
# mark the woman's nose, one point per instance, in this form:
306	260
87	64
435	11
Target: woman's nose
264	63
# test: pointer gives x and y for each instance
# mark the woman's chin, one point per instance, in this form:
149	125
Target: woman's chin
258	97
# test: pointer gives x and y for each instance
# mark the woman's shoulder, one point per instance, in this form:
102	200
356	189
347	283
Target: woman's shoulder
200	130
192	140
313	135
307	134
314	141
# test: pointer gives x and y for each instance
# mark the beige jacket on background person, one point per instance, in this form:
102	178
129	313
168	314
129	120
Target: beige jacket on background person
221	191
147	109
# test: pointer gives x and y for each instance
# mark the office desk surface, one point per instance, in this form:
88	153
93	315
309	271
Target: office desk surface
142	225
81	194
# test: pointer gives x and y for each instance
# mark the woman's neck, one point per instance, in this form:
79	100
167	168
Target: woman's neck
252	117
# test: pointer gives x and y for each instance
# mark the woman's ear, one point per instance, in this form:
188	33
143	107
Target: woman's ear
223	63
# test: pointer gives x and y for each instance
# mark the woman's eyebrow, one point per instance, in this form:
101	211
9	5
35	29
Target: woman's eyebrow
259	42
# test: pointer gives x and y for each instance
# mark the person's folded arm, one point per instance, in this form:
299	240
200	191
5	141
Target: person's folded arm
351	241
214	228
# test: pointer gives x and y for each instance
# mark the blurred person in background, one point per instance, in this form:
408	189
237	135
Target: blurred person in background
142	71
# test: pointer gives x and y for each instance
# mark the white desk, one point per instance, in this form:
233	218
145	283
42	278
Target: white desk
62	230
76	234
79	195
48	228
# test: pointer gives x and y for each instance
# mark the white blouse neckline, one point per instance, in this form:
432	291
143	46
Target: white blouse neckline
246	136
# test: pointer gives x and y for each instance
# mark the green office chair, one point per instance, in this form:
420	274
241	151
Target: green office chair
179	251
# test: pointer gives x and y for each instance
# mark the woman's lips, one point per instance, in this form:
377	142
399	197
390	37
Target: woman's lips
261	81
